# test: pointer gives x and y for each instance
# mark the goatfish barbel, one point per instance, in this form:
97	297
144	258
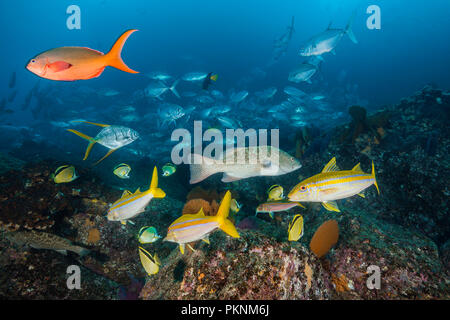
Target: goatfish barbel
276	206
193	227
112	137
78	63
332	184
131	205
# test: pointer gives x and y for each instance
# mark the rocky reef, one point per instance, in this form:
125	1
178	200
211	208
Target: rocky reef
403	232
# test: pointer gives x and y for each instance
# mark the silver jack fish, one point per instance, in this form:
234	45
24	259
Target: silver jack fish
112	137
327	40
257	162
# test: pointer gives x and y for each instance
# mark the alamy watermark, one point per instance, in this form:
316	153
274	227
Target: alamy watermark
74	20
374	20
74	279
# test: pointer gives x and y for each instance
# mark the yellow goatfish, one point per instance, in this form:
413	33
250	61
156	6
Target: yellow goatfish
131	205
193	227
332	184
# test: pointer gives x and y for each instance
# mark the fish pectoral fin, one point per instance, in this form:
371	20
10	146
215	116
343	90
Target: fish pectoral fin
64	252
182	248
59	66
361	195
300	205
228	178
271	214
331	206
206	239
123	222
106	156
331	166
328	191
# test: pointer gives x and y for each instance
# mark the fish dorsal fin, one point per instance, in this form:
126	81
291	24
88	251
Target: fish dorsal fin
97	124
331	166
154	182
126	193
59	169
331	206
357	168
200	213
138	190
329	25
141	230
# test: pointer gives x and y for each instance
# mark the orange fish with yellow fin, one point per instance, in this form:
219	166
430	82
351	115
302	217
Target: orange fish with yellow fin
78	63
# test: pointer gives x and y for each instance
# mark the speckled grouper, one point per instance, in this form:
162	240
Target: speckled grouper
42	240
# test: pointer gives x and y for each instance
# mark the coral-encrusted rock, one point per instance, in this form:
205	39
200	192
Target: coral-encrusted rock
411	162
118	244
29	199
251	267
42	274
409	261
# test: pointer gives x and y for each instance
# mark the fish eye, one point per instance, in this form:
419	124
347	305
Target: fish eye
303	188
33	60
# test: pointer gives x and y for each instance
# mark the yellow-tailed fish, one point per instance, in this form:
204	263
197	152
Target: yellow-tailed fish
122	170
235	206
332	184
275	193
111	136
64	174
148	235
276	206
132	204
295	230
150	263
193	227
168	169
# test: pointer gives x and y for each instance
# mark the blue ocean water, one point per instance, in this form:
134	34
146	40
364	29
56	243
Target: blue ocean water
240	41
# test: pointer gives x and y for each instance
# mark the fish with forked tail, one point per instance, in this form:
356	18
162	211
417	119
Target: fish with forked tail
132	204
42	240
112	137
193	227
332	184
78	63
